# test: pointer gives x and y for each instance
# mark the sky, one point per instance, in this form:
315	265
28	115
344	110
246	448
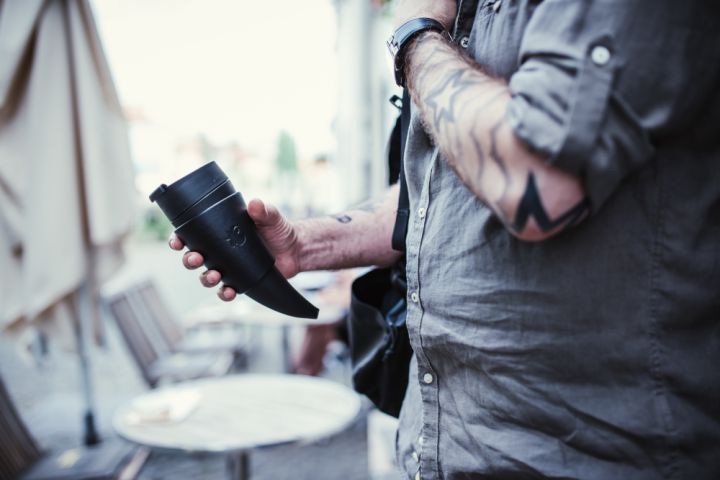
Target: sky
235	70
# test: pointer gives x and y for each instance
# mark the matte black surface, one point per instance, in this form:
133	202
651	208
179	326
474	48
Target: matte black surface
211	218
225	236
220	192
270	290
182	194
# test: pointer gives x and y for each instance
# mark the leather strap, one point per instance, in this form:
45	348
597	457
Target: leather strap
403	211
398	42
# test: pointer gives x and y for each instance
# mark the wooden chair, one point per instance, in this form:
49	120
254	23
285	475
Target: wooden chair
203	338
153	355
21	457
18	449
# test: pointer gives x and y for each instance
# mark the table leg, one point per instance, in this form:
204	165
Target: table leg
287	357
238	466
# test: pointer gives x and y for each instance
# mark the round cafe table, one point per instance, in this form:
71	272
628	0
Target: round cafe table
235	414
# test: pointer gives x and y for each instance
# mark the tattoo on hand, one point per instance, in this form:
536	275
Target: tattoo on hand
531	207
343	218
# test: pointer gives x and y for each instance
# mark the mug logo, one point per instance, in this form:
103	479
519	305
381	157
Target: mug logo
236	237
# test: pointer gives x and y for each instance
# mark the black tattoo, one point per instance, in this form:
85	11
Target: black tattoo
368	206
445	103
455	84
480	153
531	207
495	154
463	122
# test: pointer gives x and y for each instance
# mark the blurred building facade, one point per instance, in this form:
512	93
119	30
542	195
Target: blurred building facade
346	169
364	116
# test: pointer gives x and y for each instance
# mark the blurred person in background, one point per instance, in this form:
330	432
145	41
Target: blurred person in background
315	345
563	268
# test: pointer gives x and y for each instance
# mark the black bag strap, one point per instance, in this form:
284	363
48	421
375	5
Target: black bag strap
403	211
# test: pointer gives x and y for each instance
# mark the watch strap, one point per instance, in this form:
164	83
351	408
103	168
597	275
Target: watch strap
399	41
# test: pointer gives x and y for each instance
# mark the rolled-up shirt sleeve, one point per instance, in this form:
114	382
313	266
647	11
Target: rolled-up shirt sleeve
565	103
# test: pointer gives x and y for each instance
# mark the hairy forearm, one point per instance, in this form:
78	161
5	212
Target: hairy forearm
358	237
463	109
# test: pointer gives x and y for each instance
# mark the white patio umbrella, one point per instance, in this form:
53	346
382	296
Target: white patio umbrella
66	180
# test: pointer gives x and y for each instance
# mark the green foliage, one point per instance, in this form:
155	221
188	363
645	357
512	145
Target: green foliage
286	159
155	226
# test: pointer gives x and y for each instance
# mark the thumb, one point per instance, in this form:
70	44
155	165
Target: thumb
263	215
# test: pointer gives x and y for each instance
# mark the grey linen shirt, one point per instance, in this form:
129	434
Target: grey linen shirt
594	354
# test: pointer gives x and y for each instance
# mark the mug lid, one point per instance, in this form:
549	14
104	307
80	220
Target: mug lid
177	197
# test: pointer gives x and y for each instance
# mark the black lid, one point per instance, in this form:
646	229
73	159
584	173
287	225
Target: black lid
184	193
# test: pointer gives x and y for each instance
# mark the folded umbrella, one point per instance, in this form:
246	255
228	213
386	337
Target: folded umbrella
66	179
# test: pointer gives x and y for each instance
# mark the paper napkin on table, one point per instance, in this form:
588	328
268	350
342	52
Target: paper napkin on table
164	407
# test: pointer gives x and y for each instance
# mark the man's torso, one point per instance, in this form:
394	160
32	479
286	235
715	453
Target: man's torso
593	354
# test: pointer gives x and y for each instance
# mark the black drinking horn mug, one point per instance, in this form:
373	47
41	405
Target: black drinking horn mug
211	218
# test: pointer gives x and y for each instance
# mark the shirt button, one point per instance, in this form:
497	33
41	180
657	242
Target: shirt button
600	55
417	476
421	212
428	378
414	297
416	457
465	41
496	6
421	440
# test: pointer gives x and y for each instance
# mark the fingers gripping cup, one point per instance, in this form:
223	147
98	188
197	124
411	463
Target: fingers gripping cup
211	218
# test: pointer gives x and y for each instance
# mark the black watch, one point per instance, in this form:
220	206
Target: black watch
398	42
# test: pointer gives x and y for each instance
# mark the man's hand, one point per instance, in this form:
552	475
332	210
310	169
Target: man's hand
443	11
356	238
278	233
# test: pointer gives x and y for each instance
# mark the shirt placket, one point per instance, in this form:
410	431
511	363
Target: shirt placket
464	22
425	453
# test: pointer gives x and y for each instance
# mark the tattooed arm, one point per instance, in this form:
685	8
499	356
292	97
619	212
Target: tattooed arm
359	237
463	109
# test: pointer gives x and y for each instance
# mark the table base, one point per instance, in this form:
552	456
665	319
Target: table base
238	466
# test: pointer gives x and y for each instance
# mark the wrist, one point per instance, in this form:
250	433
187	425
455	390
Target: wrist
313	246
414	51
301	249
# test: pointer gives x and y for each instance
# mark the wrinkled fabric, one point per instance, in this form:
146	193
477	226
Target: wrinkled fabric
66	176
593	354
